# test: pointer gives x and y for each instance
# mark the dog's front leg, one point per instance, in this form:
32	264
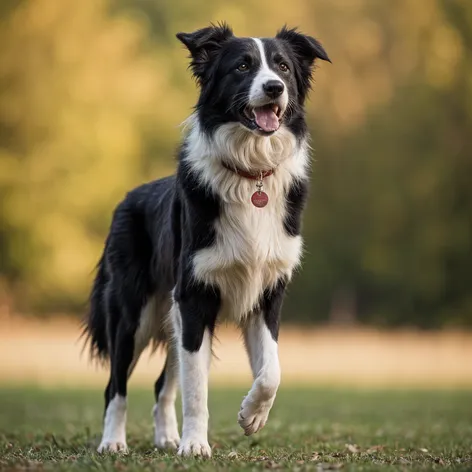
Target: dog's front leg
260	337
194	318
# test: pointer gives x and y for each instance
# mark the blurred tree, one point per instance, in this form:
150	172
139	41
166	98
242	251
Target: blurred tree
76	95
391	207
91	94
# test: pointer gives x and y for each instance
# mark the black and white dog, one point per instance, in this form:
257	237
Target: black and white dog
220	239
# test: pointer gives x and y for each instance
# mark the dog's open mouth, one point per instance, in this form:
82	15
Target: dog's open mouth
267	117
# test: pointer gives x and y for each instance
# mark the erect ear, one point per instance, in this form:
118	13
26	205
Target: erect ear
203	45
306	47
306	50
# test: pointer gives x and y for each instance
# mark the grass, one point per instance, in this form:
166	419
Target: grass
309	429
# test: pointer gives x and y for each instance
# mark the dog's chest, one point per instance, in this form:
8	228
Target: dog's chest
252	251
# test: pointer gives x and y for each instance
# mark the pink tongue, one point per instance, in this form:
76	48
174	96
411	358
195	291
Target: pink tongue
266	119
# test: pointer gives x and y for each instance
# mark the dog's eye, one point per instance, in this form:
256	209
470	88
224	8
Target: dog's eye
283	67
243	67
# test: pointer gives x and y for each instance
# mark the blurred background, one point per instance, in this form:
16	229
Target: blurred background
91	97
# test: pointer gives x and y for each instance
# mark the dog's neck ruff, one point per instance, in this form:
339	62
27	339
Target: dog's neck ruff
206	152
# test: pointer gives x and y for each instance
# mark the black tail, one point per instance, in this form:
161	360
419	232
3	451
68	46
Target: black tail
96	322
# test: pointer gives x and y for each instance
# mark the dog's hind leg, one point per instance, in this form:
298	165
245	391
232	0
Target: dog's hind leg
124	353
260	337
166	433
114	431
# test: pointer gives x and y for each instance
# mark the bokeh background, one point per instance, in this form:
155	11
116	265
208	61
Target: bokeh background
92	93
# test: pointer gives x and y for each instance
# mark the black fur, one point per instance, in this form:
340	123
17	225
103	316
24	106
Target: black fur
271	306
199	306
296	201
97	320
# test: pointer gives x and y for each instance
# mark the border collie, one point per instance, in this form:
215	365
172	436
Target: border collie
218	240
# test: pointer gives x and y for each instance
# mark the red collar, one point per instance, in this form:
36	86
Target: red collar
249	175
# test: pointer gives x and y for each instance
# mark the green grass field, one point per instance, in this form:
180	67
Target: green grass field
309	429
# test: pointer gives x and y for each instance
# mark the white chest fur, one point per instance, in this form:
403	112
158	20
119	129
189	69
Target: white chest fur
252	250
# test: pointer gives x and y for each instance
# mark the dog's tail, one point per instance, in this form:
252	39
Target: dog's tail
95	324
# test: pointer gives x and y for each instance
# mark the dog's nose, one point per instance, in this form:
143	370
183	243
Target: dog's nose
273	88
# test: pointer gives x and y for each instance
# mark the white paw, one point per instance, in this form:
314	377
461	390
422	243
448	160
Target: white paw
164	440
114	430
166	433
194	447
253	415
112	446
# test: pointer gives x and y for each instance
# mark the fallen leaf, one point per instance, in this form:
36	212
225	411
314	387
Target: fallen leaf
353	448
232	455
374	449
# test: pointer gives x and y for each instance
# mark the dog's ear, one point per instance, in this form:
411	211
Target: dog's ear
203	46
307	48
305	52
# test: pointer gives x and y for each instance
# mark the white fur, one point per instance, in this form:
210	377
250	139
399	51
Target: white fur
194	368
252	249
114	431
257	95
166	433
264	360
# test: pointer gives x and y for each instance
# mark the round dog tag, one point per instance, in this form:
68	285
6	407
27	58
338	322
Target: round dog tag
259	199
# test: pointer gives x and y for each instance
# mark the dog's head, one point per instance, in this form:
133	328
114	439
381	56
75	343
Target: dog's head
259	83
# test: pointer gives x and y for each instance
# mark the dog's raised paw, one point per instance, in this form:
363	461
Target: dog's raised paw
112	446
252	417
194	447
